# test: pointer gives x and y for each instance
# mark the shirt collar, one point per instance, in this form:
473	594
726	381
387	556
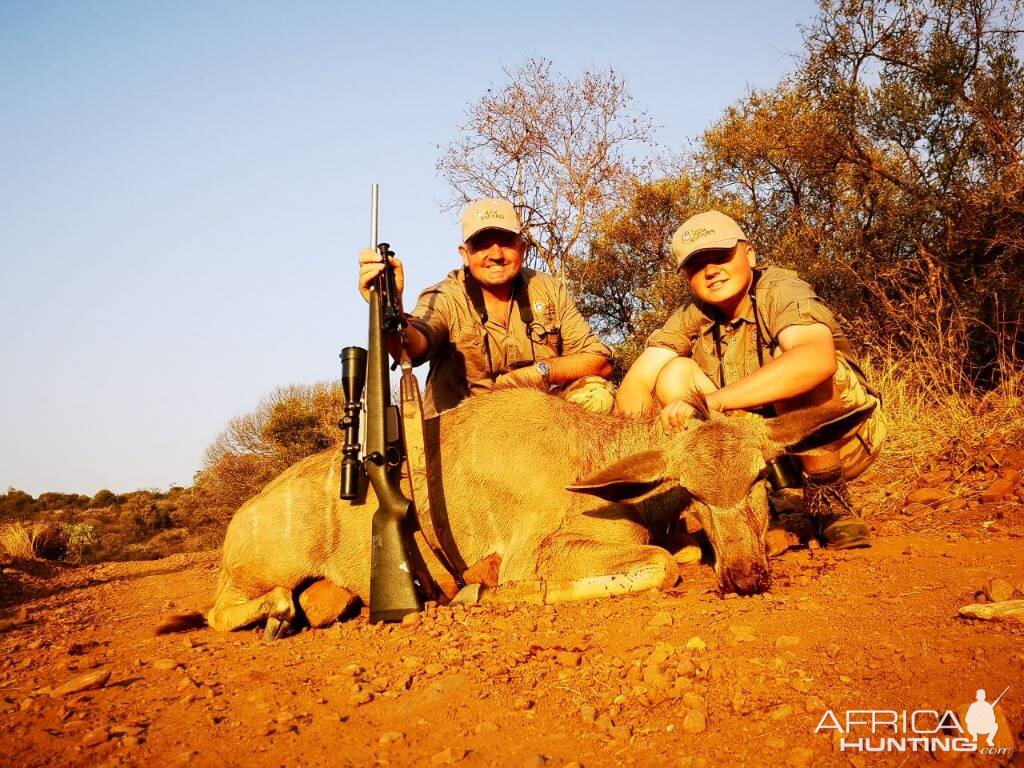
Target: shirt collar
709	315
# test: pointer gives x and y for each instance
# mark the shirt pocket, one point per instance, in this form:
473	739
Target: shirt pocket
704	355
470	352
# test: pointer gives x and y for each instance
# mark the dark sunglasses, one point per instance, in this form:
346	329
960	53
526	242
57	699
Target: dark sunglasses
489	237
718	256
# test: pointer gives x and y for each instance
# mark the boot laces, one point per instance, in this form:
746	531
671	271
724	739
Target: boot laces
826	496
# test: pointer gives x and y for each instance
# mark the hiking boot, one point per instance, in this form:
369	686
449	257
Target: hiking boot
787	509
827	501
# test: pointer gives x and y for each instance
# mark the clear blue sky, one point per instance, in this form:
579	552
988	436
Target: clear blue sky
184	188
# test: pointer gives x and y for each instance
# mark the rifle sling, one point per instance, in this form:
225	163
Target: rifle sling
435	531
520	295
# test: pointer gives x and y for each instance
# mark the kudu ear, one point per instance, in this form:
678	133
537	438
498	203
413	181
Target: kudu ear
810	428
627	478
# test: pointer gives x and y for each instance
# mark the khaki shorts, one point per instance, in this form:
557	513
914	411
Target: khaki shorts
592	393
860	449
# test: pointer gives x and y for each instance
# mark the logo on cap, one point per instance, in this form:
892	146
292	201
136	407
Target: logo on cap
489	214
692	235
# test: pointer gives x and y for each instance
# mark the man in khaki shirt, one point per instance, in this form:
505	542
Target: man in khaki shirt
758	339
495	324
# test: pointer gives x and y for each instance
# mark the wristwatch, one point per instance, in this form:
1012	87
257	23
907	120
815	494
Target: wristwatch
545	372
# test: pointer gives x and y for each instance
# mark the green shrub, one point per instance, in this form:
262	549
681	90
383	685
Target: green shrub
82	541
16	504
288	425
104	498
51	500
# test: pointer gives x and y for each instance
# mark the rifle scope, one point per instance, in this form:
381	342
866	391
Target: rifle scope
353	379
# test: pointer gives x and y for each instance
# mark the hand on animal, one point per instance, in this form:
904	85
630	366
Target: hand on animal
528	376
370	265
714	402
675	416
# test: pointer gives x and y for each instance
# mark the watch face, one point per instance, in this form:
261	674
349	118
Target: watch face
544	369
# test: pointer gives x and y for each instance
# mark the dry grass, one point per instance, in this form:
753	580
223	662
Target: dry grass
33	541
49	540
16	542
928	419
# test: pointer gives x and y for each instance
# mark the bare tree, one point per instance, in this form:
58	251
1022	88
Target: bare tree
559	149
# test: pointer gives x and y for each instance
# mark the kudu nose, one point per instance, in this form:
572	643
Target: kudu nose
746	579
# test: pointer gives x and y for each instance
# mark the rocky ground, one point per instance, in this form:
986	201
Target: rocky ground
679	678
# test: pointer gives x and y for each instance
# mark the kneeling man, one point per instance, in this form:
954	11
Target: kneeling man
761	340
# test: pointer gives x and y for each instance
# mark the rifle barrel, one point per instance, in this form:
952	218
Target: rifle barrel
374	202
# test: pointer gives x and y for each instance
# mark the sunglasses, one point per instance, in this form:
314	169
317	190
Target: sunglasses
697	262
489	237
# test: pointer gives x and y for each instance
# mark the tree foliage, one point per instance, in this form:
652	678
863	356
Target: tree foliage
288	425
629	280
559	149
888	168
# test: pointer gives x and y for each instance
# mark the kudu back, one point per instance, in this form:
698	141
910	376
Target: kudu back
567	499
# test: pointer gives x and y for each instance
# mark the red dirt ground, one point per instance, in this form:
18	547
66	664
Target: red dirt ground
681	678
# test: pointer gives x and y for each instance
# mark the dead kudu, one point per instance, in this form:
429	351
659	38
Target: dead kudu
567	499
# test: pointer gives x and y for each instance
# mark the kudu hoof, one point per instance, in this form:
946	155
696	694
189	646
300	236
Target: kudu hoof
280	615
276	629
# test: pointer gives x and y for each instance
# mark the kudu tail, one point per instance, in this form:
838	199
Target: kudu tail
182	622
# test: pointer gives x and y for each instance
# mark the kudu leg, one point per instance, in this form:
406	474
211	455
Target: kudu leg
584	570
234	610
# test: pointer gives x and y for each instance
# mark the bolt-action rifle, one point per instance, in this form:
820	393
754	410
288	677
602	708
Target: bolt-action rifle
393	592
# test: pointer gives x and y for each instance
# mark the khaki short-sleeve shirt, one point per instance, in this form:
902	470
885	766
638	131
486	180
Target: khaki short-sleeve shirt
467	354
783	299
